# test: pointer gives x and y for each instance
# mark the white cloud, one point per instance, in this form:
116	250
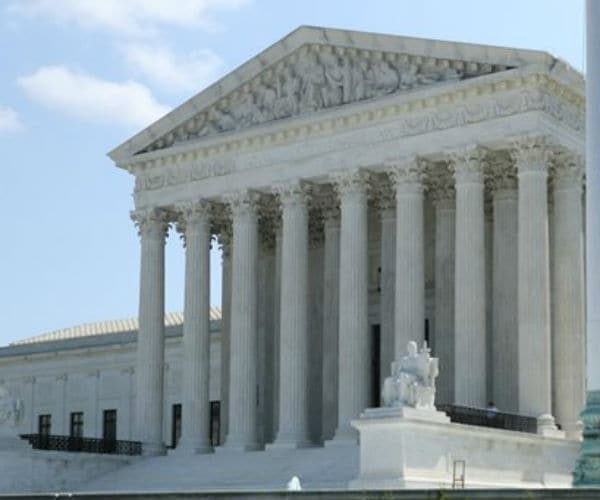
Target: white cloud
86	96
130	17
160	65
9	121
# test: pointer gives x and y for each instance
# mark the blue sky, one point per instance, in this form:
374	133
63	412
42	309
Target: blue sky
78	77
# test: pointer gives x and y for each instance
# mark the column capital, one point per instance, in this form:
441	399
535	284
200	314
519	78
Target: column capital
151	222
351	183
442	191
531	154
407	174
192	215
225	240
194	212
326	200
316	228
294	193
568	170
501	173
242	203
467	164
269	222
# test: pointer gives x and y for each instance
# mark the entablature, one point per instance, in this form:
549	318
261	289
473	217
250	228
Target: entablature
491	109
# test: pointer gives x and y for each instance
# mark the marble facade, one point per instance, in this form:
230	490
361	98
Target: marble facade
366	191
434	188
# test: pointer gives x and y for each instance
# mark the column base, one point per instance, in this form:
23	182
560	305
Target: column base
345	435
587	467
289	442
546	426
232	444
193	449
153	449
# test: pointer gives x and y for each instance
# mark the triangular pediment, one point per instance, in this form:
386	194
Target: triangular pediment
314	69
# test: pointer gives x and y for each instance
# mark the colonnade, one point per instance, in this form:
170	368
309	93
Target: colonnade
537	354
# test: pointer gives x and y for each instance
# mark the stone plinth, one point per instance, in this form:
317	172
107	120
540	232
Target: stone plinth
408	448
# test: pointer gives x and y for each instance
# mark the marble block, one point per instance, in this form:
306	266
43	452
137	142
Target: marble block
409	448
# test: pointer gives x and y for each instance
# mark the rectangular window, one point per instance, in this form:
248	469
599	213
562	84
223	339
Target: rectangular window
175	425
76	424
44	425
215	423
109	425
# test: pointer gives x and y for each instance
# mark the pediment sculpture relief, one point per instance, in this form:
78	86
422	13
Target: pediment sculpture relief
317	77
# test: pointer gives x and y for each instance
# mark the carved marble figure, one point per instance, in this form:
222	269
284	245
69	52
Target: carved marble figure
413	380
11	412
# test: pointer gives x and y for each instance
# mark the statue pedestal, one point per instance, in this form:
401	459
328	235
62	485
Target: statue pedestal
406	413
412	448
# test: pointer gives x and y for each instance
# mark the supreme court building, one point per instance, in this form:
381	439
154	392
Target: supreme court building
366	190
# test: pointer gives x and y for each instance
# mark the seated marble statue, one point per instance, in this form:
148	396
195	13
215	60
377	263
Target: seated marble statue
413	380
11	412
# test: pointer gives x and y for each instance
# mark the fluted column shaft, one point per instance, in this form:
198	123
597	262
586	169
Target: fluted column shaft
409	299
293	350
195	402
354	352
568	335
470	287
445	213
152	226
331	277
225	240
505	340
242	431
533	280
388	285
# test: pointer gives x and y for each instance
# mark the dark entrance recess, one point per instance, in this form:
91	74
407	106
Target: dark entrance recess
215	422
109	430
76	430
175	424
44	425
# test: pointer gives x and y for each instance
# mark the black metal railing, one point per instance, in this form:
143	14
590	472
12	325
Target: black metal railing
489	418
83	444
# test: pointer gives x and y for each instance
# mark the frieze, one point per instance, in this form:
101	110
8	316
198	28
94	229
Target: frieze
318	77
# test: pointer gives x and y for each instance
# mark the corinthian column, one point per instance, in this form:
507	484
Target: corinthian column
293	349
469	296
242	431
195	402
331	281
225	240
505	341
531	157
568	334
354	355
152	225
445	214
387	213
409	318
